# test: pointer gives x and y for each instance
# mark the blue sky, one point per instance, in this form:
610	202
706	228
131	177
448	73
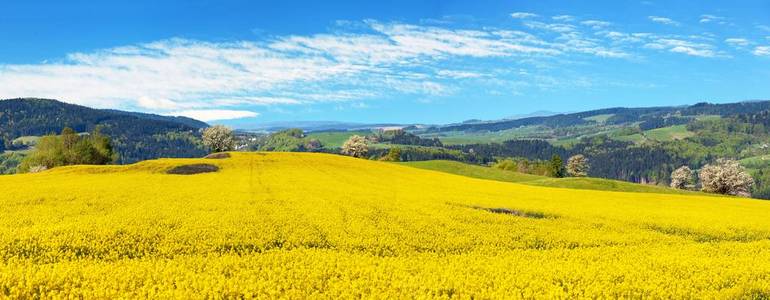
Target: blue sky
383	61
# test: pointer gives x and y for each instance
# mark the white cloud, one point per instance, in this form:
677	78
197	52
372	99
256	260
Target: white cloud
624	38
356	62
155	103
737	42
165	75
459	74
563	18
692	51
663	20
683	47
762	51
523	15
214	114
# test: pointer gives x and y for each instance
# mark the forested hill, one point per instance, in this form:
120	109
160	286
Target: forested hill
136	136
618	115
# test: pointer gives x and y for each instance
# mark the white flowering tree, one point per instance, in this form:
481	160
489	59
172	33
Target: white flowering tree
682	178
577	166
726	177
356	146
219	138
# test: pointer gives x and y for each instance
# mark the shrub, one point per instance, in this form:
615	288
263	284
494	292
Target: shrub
523	165
394	154
726	177
556	167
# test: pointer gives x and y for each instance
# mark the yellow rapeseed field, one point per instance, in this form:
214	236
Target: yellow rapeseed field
291	225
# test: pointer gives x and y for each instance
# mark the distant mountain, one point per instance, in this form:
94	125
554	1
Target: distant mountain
136	136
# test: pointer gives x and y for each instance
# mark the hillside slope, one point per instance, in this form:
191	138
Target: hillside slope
136	136
296	225
615	115
585	183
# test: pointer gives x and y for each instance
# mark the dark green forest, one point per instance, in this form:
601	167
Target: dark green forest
135	136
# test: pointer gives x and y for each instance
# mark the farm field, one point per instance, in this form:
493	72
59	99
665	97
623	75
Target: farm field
300	225
335	139
670	133
756	162
459	138
676	132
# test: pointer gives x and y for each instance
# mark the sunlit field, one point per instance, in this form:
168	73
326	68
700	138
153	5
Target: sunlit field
295	225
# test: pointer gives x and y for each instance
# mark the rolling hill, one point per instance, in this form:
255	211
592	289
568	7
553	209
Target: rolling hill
136	136
300	225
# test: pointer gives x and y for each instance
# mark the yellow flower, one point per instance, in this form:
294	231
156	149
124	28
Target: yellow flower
298	226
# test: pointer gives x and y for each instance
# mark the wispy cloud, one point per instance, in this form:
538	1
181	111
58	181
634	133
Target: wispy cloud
417	40
596	24
663	20
563	18
762	51
357	61
712	19
458	74
683	47
185	76
737	42
523	15
553	27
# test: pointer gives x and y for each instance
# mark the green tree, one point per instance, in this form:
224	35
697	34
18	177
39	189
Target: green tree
556	167
69	148
289	140
394	154
9	162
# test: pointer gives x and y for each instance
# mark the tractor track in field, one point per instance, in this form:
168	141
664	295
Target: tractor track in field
255	175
